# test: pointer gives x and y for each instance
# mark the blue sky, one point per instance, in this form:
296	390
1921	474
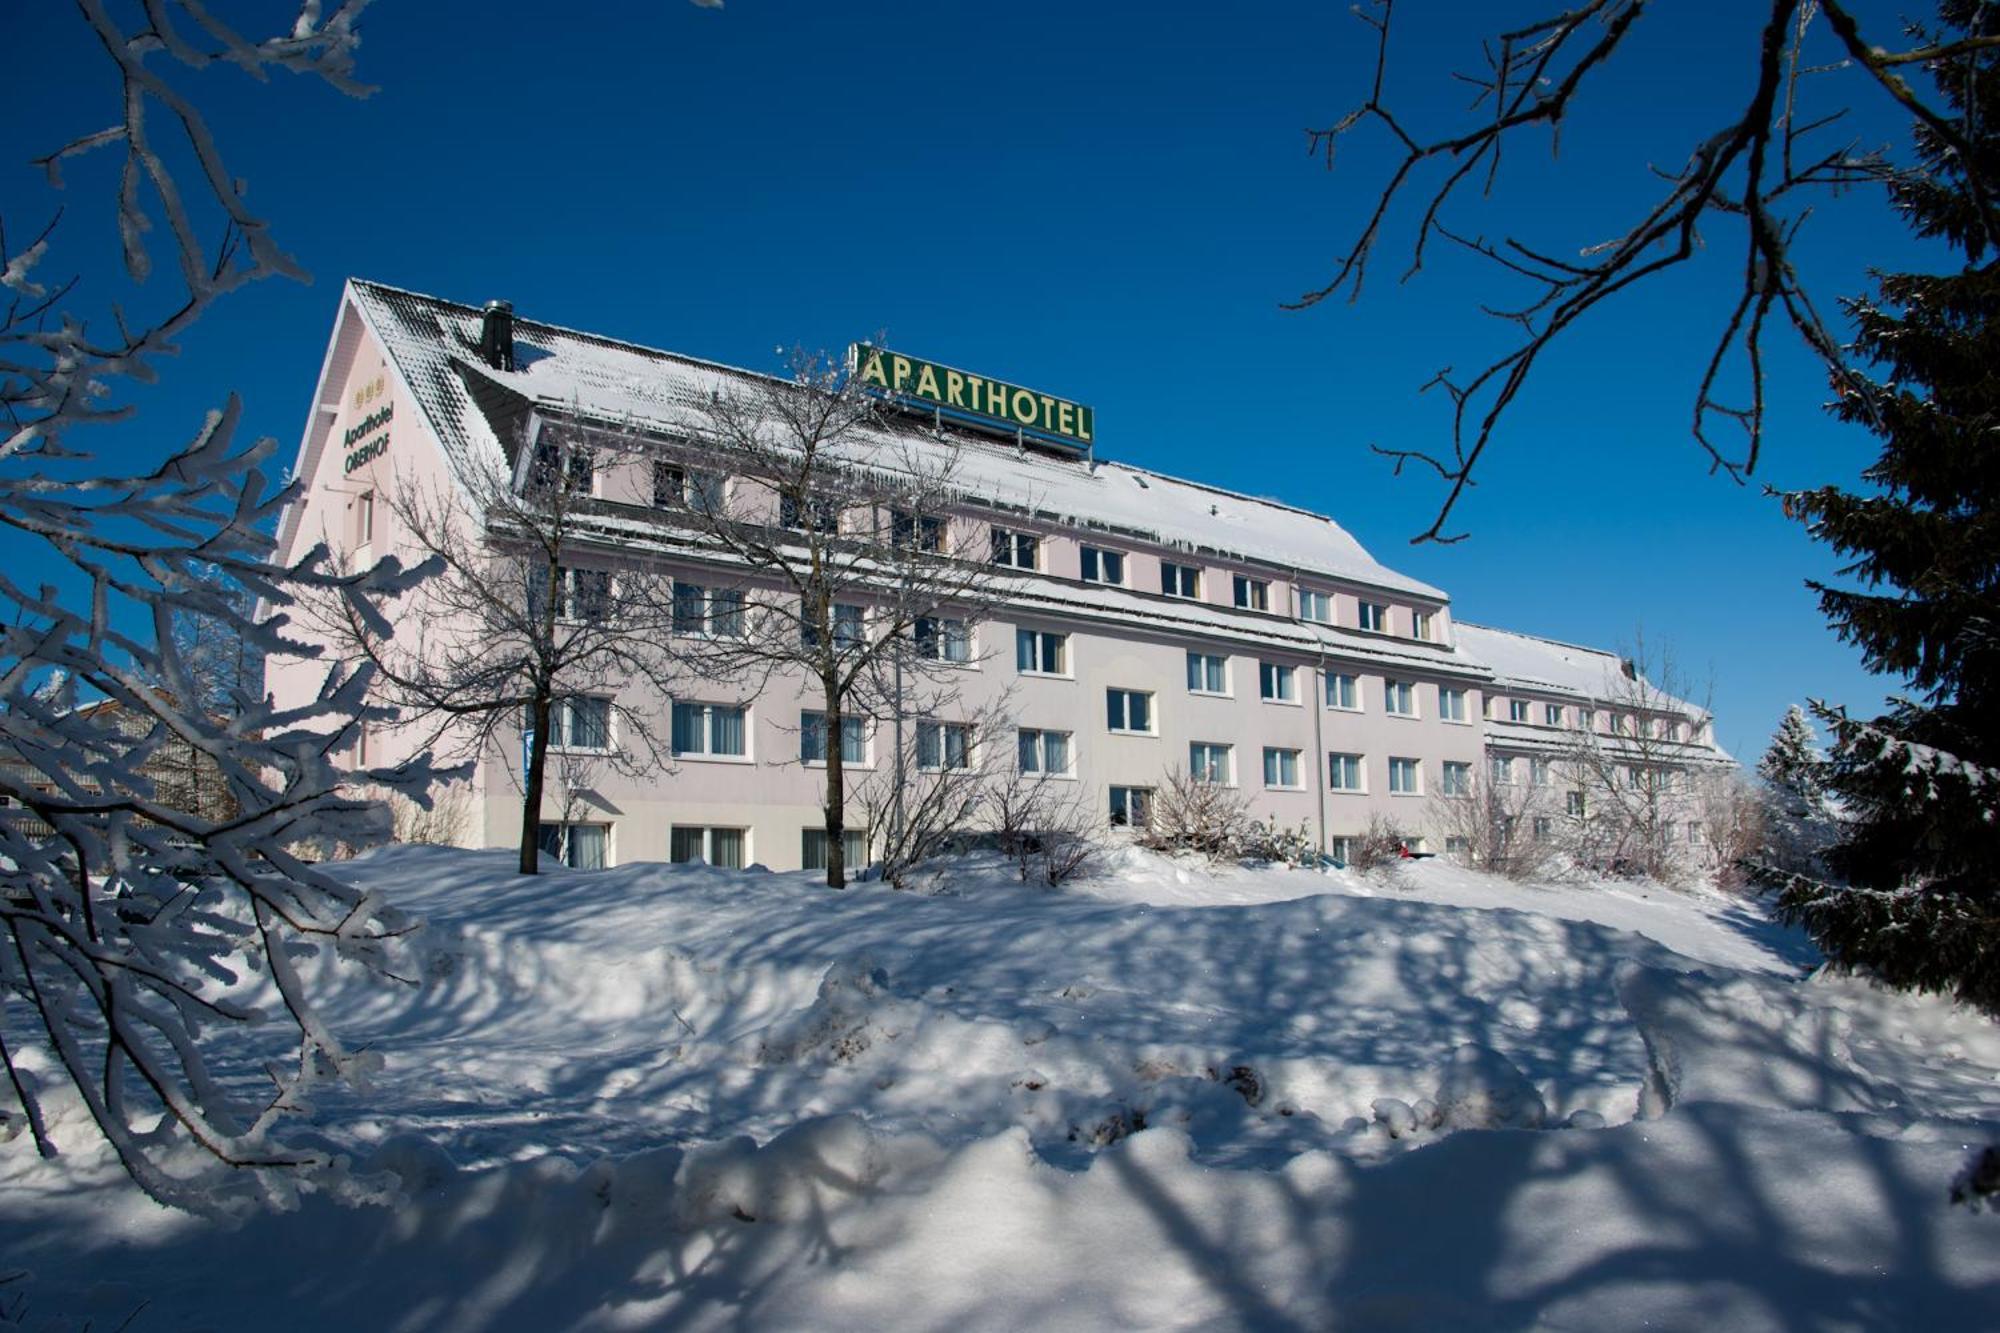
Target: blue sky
1109	202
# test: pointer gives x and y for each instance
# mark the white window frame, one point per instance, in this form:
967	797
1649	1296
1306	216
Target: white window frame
1412	768
945	730
847	721
706	754
1518	710
1371	617
1455	778
942	637
1452	705
1316	606
562	725
708	832
1393	691
1500	769
1173	587
1095	564
1124	818
709	616
1281	754
1250	594
1152	727
1039	638
1343	683
1206	659
1011	541
1421	626
1358	766
1278	683
1539	771
1034	740
849	838
1552	715
364	518
566	844
1205	758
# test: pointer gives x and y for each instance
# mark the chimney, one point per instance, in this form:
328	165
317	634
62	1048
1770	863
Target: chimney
496	335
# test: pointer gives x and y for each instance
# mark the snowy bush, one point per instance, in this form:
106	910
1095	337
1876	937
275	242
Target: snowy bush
1295	847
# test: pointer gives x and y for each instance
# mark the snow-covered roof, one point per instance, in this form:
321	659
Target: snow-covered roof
1527	662
434	344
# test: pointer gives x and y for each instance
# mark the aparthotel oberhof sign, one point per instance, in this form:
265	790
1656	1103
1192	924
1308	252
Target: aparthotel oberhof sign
976	396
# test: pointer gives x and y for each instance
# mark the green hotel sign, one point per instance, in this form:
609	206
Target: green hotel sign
977	396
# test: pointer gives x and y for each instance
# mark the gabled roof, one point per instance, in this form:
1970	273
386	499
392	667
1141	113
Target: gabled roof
434	345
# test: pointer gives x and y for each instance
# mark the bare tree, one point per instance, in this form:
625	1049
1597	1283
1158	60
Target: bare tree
837	538
537	630
1633	796
1045	826
938	793
1508	828
1192	814
1758	172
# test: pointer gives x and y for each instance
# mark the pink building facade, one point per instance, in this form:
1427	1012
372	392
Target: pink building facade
1153	622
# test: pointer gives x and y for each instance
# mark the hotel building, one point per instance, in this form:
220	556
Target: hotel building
1151	622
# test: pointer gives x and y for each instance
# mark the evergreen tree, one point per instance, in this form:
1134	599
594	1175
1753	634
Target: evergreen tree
1916	902
1798	824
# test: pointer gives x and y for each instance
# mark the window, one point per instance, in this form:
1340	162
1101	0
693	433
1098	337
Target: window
1552	715
1315	606
812	848
581	594
708	729
1253	594
1576	805
1040	652
1208	673
578	846
676	487
1131	806
944	746
1545	828
580	724
1457	845
848	625
1342	691
1451	704
1102	566
1457	779
916	532
1399	698
713	611
707	846
1277	682
1538	772
1208	763
1180	580
943	639
1128	710
1694	834
1375	617
1586	719
1341	848
1613	725
1017	550
1045	752
853	739
1343	772
1673	731
364	518
1420	625
1281	768
573	469
815	514
1405	777
1517	710
1502	770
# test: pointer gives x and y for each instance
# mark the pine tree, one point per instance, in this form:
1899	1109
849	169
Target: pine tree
1798	824
1920	786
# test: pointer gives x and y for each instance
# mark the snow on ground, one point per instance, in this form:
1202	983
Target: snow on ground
1173	1096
